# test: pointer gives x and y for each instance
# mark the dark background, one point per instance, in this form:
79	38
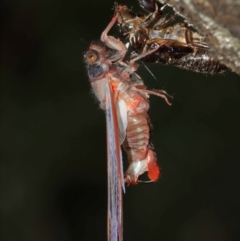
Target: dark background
53	141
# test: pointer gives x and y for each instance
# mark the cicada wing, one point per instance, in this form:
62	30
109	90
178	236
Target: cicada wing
115	168
122	119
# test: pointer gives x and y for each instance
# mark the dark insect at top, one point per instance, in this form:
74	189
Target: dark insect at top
180	44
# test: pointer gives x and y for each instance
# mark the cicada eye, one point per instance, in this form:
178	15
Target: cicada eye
91	57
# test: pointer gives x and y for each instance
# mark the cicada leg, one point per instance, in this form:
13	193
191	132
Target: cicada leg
151	18
112	42
160	93
148	52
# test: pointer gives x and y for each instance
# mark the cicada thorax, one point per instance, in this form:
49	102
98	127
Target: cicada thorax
180	44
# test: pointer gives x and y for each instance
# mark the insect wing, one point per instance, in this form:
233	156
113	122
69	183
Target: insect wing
122	120
115	169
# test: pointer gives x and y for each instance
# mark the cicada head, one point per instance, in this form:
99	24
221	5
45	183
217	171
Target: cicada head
97	60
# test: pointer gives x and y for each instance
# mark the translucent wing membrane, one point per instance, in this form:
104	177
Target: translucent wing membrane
122	119
115	169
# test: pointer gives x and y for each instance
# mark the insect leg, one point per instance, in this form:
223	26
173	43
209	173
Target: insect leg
160	93
112	42
151	18
148	52
157	41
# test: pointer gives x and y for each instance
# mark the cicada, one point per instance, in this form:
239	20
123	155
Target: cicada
124	98
181	45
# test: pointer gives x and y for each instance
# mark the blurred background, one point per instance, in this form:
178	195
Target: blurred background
53	140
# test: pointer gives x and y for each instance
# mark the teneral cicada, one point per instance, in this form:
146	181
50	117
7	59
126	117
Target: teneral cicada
180	44
124	98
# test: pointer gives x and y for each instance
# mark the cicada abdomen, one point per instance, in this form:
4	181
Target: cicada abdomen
141	156
180	44
199	61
